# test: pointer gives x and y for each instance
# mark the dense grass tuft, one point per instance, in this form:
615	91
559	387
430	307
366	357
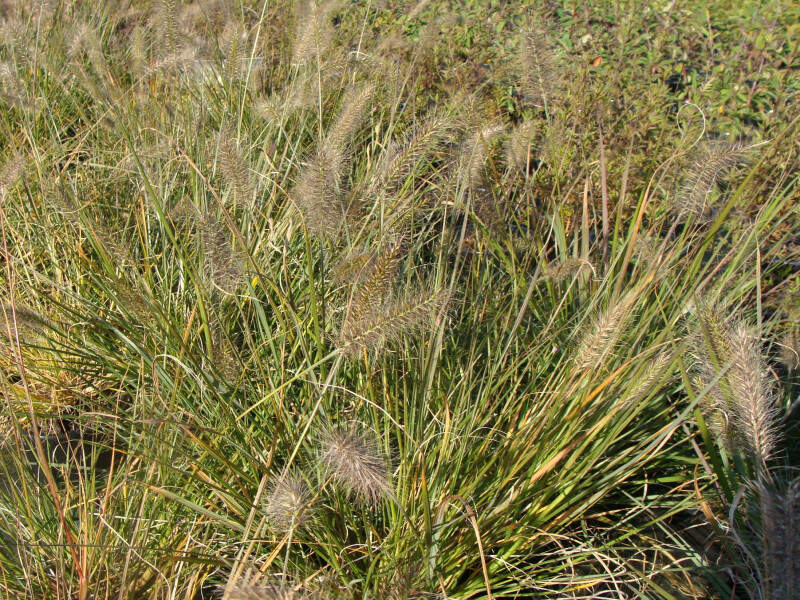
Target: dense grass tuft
325	299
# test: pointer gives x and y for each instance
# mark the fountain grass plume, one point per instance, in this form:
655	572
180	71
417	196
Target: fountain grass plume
167	23
654	373
780	531
357	99
520	145
402	156
137	51
354	268
752	386
474	150
558	271
709	165
352	457
314	32
373	284
318	190
222	264
539	68
790	349
234	39
316	193
234	166
391	321
288	503
599	340
20	320
742	403
11	172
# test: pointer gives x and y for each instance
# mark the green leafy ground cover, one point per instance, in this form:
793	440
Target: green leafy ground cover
399	300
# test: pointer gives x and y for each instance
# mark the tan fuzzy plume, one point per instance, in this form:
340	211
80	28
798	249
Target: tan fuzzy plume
302	94
222	265
712	335
319	188
166	20
265	591
780	524
558	271
177	61
390	322
20	320
84	39
223	354
652	375
352	457
770	538
470	170
711	351
11	172
317	193
475	149
354	106
595	346
287	504
234	166
314	31
711	162
375	286
520	145
790	349
752	386
137	51
540	69
354	268
233	48
11	86
401	158
743	399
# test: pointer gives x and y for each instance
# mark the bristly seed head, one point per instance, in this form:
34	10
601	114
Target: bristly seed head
288	502
598	342
11	172
352	457
391	321
267	591
711	162
741	402
539	67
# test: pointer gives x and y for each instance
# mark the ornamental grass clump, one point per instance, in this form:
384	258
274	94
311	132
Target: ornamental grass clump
365	299
742	406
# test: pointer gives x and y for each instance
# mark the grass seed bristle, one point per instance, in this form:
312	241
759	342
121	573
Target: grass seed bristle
594	346
352	457
314	31
265	591
539	68
711	162
287	504
390	322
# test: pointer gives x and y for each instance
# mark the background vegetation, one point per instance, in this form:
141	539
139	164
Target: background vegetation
370	299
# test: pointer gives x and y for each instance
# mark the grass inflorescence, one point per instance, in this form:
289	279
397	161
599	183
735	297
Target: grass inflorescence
327	299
